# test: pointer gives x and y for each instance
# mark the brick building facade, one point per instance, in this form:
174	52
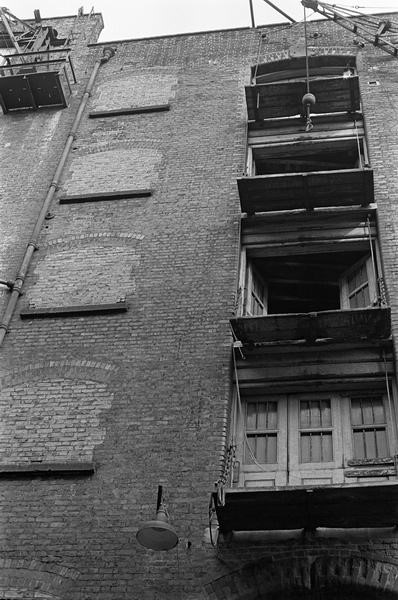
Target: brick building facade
118	369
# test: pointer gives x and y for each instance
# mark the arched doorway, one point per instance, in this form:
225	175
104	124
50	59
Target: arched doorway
338	592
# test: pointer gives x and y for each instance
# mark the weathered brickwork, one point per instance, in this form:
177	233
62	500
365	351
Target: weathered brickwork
150	87
40	137
107	270
145	394
122	168
52	420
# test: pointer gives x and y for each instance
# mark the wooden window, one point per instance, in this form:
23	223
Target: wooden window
312	438
358	285
262	432
369	427
316	443
256	293
309	283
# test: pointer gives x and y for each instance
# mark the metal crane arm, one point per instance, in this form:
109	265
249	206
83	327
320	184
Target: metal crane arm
367	28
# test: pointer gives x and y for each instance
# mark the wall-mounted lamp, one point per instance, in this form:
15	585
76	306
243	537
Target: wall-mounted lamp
158	534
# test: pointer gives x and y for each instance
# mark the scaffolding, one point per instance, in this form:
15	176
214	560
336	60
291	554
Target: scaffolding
36	70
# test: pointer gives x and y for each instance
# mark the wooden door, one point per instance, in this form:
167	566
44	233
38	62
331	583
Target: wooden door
315	440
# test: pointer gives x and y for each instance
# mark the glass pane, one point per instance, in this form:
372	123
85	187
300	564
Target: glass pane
367	411
305	441
251	442
327	447
251	415
272	415
326	414
370	443
356	412
261	448
304	414
359	446
381	443
271	449
316	448
262	415
315	414
378	411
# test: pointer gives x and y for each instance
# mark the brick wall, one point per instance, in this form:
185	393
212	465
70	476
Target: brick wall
145	393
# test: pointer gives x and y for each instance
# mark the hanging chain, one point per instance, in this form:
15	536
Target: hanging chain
225	477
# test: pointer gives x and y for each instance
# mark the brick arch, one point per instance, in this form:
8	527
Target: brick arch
20	579
104	238
76	369
303	577
270	57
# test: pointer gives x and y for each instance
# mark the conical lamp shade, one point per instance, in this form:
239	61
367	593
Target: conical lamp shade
158	534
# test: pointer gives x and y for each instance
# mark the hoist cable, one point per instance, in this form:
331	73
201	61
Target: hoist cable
358	146
377	300
258	56
307	69
240	410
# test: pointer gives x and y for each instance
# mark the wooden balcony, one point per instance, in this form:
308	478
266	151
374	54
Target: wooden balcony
284	99
334	506
36	80
360	324
289	191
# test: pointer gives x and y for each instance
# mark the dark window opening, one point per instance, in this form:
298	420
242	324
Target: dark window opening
310	283
307	157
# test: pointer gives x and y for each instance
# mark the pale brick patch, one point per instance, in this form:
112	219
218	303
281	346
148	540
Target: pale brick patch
51	420
85	275
145	89
113	170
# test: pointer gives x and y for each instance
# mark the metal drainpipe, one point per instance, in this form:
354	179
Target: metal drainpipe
32	245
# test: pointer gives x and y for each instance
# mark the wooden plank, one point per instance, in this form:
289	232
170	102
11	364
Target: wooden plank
284	138
370	473
284	237
338	325
278	99
285	372
368	462
315	189
292	124
344	505
308	247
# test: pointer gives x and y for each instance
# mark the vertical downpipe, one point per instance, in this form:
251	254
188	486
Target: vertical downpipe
108	52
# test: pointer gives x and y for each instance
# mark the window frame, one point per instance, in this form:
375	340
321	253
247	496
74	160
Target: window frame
289	471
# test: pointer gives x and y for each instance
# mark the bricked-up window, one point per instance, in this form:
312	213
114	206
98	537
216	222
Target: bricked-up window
311	438
369	427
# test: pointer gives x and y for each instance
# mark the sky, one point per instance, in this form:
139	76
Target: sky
128	19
